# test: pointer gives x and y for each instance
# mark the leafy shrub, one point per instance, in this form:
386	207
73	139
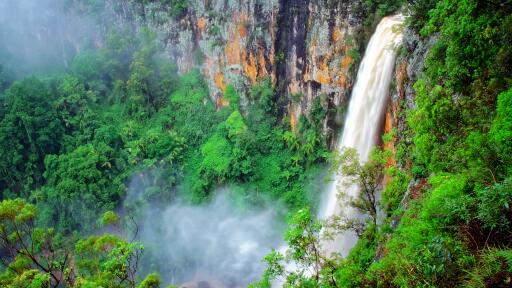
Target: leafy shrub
494	206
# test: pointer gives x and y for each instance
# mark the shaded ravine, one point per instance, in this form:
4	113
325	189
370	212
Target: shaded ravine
363	122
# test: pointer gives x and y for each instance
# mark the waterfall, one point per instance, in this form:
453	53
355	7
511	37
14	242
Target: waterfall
363	121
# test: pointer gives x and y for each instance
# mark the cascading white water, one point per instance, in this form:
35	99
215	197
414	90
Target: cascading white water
361	128
362	124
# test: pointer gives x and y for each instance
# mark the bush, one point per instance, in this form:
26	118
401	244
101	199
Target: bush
495	206
501	131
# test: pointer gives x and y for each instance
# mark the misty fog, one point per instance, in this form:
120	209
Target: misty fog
39	36
214	242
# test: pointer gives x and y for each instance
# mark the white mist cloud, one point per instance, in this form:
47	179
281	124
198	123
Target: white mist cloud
213	243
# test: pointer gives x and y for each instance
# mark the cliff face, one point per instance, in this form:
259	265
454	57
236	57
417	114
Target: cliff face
317	42
308	48
410	62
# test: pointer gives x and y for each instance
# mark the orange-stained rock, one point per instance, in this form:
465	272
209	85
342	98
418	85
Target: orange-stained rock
345	62
342	80
401	76
250	68
241	20
321	69
233	50
293	121
219	81
337	35
262	72
322	75
209	68
241	30
222	102
201	24
388	126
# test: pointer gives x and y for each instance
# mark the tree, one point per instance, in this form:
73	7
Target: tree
419	12
235	124
107	261
28	251
232	96
501	131
87	65
80	185
217	157
149	83
139	94
367	177
151	281
35	257
73	102
304	264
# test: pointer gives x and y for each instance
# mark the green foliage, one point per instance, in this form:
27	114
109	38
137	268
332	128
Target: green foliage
383	7
455	126
350	272
501	130
72	104
303	251
156	145
250	149
151	281
494	269
29	130
79	186
38	258
302	236
192	112
494	206
469	30
395	190
367	177
72	144
107	261
421	252
235	124
217	157
455	100
452	230
34	255
418	13
87	66
109	218
6	78
232	96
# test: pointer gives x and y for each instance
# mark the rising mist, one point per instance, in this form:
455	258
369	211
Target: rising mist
215	243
